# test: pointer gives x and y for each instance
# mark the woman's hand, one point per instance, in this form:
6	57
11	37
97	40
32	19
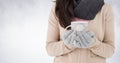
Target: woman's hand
68	38
84	39
79	39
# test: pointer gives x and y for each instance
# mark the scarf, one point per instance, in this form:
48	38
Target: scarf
87	9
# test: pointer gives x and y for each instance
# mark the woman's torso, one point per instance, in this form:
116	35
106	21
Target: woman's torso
85	55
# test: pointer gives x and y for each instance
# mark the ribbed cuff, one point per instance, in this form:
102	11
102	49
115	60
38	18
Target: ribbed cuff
68	46
96	43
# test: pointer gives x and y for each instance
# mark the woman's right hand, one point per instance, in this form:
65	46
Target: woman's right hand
68	38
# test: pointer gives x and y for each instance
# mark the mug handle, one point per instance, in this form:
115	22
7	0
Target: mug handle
67	27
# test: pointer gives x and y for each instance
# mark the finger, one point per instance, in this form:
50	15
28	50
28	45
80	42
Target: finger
90	33
67	33
82	41
69	39
72	40
90	38
87	37
78	42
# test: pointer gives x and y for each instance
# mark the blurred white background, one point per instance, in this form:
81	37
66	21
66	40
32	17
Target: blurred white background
23	26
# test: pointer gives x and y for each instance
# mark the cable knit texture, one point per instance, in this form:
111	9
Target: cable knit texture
80	39
103	47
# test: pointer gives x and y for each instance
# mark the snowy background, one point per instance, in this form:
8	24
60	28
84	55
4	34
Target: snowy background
23	26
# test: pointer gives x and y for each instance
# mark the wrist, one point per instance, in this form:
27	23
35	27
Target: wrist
96	43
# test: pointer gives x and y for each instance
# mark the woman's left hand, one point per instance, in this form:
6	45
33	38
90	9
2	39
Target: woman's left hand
84	39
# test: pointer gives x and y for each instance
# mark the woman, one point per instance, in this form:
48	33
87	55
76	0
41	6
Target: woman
100	33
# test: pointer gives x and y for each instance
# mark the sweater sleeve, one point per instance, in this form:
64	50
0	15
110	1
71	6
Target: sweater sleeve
54	46
106	48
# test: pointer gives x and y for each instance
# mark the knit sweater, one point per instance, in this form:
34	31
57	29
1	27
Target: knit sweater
103	27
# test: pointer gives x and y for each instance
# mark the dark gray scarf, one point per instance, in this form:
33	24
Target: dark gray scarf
87	9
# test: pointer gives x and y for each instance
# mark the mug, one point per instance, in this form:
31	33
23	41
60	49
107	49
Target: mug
78	25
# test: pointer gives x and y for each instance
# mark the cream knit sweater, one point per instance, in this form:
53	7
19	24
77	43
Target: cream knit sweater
103	47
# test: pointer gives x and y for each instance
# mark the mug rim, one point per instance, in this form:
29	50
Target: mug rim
79	22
